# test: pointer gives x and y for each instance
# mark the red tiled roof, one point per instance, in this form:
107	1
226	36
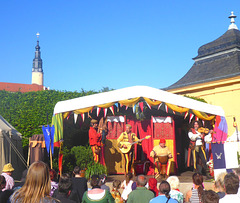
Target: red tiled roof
17	87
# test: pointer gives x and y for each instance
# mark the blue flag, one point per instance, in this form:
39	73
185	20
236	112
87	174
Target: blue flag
218	156
48	133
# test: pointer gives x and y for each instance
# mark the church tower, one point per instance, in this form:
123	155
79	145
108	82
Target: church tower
37	71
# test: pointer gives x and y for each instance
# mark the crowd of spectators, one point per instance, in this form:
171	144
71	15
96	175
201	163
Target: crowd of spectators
39	184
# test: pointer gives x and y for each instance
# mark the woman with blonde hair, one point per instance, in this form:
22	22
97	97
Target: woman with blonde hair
37	186
219	185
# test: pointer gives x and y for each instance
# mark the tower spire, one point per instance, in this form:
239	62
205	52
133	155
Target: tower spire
232	25
37	71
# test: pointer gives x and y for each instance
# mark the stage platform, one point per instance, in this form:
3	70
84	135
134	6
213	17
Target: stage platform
185	181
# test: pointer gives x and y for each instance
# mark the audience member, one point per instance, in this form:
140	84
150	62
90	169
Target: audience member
64	189
79	183
54	184
4	195
115	191
209	196
97	194
141	194
7	173
37	186
231	185
195	194
175	193
219	185
152	183
164	197
127	186
237	172
103	179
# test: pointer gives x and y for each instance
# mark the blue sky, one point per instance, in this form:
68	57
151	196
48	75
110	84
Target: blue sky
93	44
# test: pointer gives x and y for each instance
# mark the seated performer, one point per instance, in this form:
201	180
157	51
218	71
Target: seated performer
124	143
95	139
196	146
161	154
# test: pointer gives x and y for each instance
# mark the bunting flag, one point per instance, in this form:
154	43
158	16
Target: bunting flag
166	108
203	122
149	106
191	117
105	112
112	109
98	111
196	118
174	112
186	114
141	106
134	108
159	106
83	116
116	104
121	105
68	115
126	107
75	117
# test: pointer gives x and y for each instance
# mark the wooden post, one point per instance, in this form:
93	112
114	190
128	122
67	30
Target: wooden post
51	157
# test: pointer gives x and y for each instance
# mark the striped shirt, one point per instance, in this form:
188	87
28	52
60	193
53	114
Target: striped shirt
194	198
9	182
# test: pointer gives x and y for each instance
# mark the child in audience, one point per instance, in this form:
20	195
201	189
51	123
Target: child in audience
115	191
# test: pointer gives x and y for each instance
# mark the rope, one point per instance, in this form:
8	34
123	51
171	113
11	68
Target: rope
15	149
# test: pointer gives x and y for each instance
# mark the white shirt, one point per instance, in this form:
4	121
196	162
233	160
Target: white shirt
230	198
127	189
195	137
208	138
9	181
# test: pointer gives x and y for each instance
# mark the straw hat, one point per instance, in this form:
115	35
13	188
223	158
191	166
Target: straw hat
8	168
94	121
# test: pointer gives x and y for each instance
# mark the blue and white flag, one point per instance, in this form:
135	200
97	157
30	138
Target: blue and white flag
48	133
225	156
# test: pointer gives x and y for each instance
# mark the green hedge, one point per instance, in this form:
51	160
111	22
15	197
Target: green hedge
27	112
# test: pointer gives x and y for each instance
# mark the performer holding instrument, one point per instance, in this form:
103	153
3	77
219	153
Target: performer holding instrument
161	154
95	139
126	143
197	137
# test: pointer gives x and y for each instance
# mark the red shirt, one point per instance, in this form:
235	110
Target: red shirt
94	137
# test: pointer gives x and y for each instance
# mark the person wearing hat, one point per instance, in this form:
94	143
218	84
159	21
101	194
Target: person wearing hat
159	152
95	139
123	141
7	173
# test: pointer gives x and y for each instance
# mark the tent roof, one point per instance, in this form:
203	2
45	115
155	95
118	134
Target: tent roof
133	92
7	127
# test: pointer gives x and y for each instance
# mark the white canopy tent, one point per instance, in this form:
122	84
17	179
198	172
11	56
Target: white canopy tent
133	92
11	148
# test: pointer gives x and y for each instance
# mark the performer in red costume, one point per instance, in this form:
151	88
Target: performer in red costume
95	139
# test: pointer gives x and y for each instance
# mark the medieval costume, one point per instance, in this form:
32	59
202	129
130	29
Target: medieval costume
127	138
95	141
161	153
